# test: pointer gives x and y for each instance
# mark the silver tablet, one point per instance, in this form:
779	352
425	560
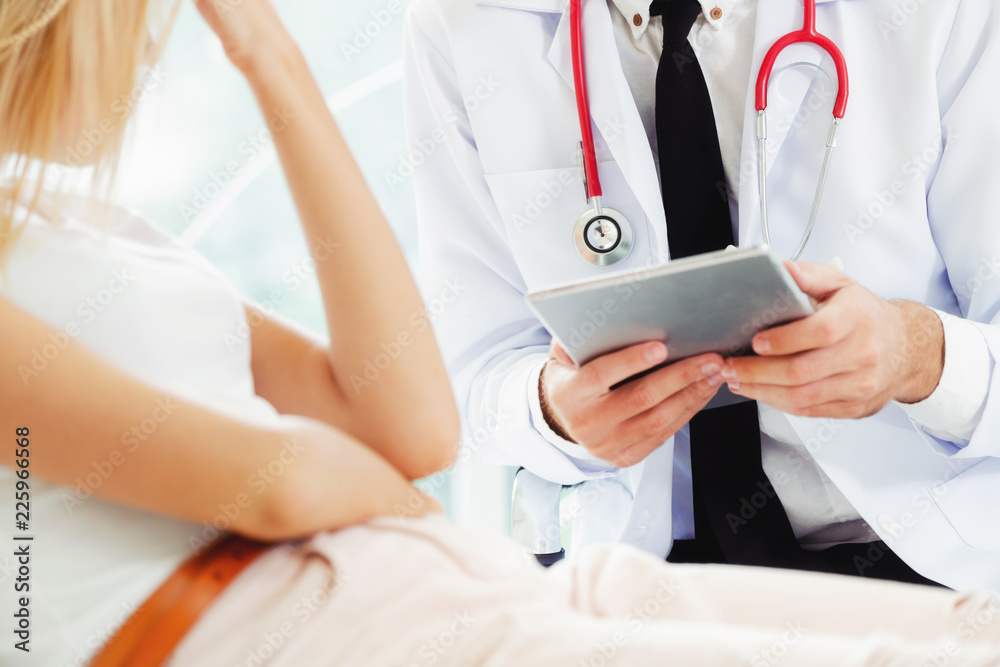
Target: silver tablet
714	302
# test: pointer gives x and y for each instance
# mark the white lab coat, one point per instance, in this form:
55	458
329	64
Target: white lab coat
912	207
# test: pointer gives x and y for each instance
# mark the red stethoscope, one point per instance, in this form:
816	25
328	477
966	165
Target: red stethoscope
603	236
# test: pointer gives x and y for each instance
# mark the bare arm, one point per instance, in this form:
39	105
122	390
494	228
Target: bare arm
82	411
381	378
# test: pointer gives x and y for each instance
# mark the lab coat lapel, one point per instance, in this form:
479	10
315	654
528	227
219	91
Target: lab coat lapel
775	18
614	114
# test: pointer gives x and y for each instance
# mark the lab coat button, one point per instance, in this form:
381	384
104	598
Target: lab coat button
637	20
716	13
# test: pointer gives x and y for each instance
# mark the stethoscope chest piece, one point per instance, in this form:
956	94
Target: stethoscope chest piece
603	237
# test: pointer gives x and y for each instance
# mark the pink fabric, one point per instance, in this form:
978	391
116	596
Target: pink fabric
420	593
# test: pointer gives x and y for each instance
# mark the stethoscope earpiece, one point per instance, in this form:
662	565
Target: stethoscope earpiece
806	34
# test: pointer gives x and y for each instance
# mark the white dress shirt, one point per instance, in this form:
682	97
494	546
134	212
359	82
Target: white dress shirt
819	513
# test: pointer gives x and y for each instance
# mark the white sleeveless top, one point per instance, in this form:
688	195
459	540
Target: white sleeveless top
162	313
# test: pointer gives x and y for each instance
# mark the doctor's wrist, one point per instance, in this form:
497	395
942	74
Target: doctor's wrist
923	351
550	419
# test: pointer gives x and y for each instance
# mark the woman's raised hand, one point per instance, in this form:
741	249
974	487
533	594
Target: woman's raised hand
250	30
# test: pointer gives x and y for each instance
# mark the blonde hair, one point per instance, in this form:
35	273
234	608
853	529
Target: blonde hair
68	76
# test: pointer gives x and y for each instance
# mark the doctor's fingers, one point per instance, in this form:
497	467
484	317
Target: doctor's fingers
557	353
795	369
633	440
637	453
598	376
845	396
817	280
647	392
832	323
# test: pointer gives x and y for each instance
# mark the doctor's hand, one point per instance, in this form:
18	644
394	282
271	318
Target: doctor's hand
849	359
624	425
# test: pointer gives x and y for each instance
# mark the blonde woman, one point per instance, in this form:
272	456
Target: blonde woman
130	432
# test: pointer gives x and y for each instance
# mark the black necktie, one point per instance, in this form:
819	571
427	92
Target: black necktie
738	517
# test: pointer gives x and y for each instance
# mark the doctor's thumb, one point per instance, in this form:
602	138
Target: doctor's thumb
559	354
818	281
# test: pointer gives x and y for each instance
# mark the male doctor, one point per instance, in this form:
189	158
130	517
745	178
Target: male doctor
870	443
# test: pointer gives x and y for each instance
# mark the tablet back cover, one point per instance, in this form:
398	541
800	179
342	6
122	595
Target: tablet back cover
711	303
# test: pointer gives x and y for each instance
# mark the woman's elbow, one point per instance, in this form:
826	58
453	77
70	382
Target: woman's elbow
431	449
283	512
307	495
423	442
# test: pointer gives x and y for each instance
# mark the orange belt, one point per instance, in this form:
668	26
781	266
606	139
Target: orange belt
152	633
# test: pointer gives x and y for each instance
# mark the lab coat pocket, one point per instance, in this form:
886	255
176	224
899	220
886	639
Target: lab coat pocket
971	503
540	209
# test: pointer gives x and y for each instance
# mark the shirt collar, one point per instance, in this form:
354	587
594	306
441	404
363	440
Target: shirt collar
632	8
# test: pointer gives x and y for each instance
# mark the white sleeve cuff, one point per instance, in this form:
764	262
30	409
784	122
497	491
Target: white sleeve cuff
586	461
956	407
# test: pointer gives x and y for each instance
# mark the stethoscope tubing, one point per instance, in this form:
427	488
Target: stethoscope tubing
807	34
591	174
